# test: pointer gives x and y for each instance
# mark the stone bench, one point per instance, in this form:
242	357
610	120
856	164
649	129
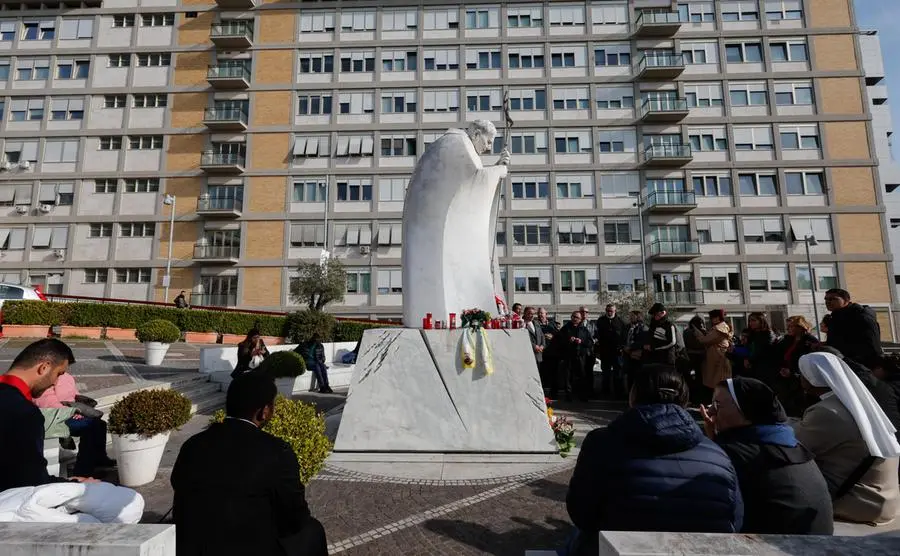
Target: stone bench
71	539
626	543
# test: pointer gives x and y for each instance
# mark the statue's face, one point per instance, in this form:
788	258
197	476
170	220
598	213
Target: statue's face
484	140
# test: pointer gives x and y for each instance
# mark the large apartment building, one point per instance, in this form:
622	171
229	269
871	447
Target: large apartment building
701	142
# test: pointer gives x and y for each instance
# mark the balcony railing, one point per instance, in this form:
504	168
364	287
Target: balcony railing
228	76
666	107
214	299
205	251
225	115
231	29
213	158
679	299
672	199
674	248
208	204
662	65
660	23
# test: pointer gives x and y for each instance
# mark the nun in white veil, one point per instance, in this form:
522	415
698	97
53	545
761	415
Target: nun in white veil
853	441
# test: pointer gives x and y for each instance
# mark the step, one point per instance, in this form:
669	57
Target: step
108	396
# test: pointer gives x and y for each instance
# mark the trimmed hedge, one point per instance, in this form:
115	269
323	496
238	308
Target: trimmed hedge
158	330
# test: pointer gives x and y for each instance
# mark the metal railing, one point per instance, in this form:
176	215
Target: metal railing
651	60
663	105
228	72
671	198
214	299
225	115
213	158
231	29
203	251
682	299
658	18
661	247
223	204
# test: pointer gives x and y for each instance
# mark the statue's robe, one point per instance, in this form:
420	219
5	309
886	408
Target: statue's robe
449	229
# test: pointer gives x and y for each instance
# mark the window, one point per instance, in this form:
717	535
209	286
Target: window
613	55
777	10
7	30
398	102
579	281
619	185
158	20
567	57
156	100
12	239
753	138
61	150
399	20
105	185
484	100
38	30
441	100
356	189
72	69
4	69
154	60
482	59
624	278
531	234
743	52
358	234
438	19
524	142
307	235
145	142
100	230
314	105
789	51
398	145
398	60
703	95
359	281
483	18
763	230
356	103
572	142
96	276
716	230
50	238
74	29
114	101
358	62
805	183
525	57
533	280
390	281
67	109
21	151
565	16
748	94
60	194
799	137
392	189
529	99
137	229
790	94
441	60
121	21
142	185
355	145
119	60
825	275
720	279
530	187
218	291
26	109
32	69
133	275
357	21
621	231
524	17
574	186
110	143
697	12
311	147
609	15
390	234
708	139
310	191
317	21
818	227
746	10
616	141
614	98
758	184
768	278
700	52
712	186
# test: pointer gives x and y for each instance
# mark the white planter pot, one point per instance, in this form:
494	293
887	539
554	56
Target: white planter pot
155	353
287	386
138	458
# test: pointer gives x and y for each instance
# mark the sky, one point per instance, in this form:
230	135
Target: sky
884	15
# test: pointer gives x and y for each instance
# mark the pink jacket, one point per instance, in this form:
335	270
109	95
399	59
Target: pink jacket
64	391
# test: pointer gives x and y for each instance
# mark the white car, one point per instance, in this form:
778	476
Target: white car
13	291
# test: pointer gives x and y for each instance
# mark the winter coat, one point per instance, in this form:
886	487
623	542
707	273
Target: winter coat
662	339
855	332
610	335
783	490
762	355
692	343
246	351
635	339
717	367
567	348
787	358
318	352
652	470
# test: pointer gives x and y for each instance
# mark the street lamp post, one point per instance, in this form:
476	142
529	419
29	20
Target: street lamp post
167	279
639	204
810	241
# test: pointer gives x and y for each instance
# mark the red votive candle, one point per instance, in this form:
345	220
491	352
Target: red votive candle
452	321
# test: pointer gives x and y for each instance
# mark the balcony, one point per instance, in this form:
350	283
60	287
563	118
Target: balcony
213	300
219	208
225	119
664	110
228	77
674	250
671	201
679	299
213	162
222	254
232	35
667	155
657	24
660	67
236	4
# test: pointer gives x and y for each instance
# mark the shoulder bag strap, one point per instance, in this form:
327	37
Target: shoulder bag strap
855	476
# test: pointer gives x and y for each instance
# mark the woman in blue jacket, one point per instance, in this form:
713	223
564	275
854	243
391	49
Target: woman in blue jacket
652	469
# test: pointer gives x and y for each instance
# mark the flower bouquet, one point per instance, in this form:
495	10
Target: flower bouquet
563	430
475	318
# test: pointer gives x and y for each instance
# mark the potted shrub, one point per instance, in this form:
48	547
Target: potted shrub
157	335
303	428
140	424
286	368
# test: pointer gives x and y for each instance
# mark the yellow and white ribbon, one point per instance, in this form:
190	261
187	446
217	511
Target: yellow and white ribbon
467	349
487	353
471	352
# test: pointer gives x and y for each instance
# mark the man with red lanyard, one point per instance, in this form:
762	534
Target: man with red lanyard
35	370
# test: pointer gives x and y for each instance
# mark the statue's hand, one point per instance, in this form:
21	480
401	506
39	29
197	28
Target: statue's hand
504	157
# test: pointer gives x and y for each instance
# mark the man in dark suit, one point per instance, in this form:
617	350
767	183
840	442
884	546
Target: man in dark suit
536	334
237	488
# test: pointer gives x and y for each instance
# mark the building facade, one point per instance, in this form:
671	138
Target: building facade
701	141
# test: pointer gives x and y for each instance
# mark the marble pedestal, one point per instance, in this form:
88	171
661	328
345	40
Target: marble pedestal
414	412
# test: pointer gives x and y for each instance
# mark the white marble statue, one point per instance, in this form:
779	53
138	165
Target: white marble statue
449	227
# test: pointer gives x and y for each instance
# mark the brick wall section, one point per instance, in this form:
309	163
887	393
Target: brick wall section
265	240
853	186
186	190
182	279
262	287
195	30
847	141
884	321
274	66
191	67
266	194
835	53
829	13
868	282
277	27
269	151
860	233
184	152
198	3
840	95
187	109
272	108
186	234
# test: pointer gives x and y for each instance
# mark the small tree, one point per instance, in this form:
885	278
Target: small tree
319	284
636	300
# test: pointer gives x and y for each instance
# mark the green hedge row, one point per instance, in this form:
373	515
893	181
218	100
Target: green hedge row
189	320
